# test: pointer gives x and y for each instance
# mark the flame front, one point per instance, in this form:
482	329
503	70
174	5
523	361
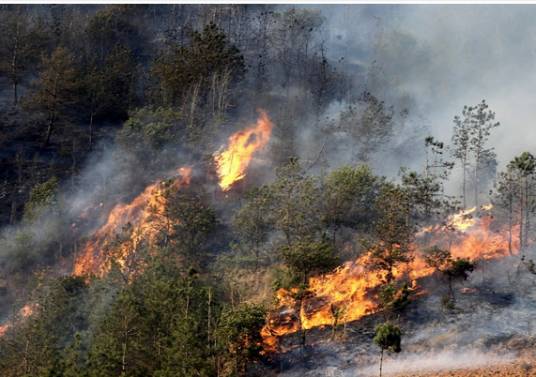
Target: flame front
145	214
349	293
232	163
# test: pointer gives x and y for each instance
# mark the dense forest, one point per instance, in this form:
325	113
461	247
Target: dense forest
192	190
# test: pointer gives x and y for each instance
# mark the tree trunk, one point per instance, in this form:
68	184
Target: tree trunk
49	132
14	67
25	362
464	185
381	362
521	212
510	227
527	214
451	290
13	212
73	165
209	314
476	185
123	359
90	141
15	93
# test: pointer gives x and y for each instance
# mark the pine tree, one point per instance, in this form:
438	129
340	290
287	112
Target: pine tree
55	90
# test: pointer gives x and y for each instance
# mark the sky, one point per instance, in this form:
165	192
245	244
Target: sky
445	57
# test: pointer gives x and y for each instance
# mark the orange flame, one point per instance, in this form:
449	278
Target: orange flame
348	293
463	220
24	312
232	163
144	214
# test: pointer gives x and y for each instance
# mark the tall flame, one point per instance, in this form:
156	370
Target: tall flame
348	293
232	163
144	213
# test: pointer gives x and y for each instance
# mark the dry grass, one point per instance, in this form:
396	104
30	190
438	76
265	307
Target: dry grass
519	368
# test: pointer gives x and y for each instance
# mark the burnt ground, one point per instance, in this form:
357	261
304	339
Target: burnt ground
490	332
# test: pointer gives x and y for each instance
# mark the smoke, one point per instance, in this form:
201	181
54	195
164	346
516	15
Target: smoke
445	57
429	60
492	324
438	362
111	175
415	364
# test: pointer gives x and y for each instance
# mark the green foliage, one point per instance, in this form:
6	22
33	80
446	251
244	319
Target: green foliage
514	194
460	268
55	91
190	67
453	269
283	277
253	221
393	298
111	28
193	221
21	42
525	163
118	346
164	317
35	348
108	87
305	257
239	333
296	197
388	337
369	124
438	258
149	130
42	196
392	229
349	196
159	325
471	133
425	192
74	359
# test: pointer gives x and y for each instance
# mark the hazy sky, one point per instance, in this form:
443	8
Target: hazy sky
445	56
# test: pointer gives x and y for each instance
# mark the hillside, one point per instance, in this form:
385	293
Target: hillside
220	190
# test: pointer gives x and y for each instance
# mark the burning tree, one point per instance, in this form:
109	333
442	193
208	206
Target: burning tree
232	163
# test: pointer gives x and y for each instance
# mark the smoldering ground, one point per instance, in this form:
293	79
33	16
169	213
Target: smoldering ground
492	324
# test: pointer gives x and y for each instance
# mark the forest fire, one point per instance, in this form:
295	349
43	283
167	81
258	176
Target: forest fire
24	312
144	218
232	163
348	293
